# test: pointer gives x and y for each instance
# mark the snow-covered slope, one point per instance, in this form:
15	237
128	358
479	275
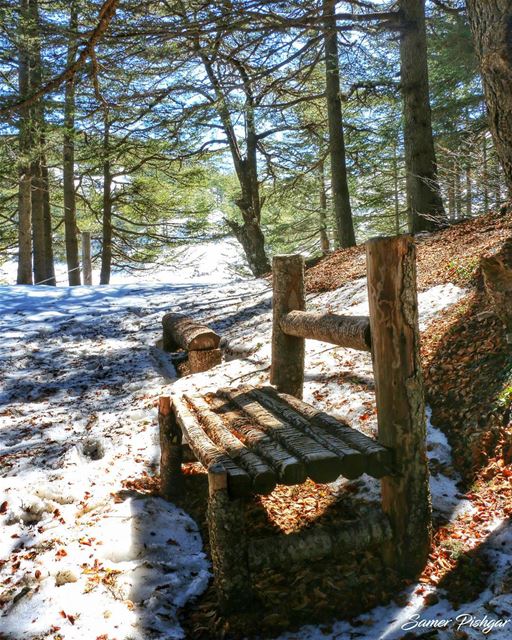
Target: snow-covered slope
83	553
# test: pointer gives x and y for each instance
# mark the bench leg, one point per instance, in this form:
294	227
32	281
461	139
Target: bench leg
171	451
228	544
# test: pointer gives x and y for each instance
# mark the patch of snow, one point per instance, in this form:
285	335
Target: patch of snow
82	374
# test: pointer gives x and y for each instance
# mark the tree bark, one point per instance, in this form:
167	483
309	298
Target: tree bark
424	204
316	544
70	226
290	470
377	460
263	477
41	216
287	367
321	464
339	179
207	452
228	544
107	232
352	461
47	215
491	25
24	275
485	176
181	331
38	226
469	190
400	398
249	233
171	451
324	238
86	257
352	332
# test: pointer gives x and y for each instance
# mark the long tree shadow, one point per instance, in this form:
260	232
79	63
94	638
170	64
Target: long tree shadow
468	375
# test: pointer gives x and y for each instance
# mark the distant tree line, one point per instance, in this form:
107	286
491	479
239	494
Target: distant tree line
309	125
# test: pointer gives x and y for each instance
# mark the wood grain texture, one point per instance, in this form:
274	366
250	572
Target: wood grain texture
263	478
321	464
351	332
182	331
287	364
207	452
400	397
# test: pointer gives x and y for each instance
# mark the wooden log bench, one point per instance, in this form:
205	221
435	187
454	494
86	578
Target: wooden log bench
250	439
199	341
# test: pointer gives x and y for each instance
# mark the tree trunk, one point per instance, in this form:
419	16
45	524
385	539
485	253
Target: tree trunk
424	204
249	233
41	236
86	257
458	190
324	238
485	177
38	225
469	191
339	181
68	163
25	187
322	465
106	247
396	190
264	479
451	192
491	25
47	216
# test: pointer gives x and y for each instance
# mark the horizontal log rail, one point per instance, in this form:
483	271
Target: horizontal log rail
351	332
317	543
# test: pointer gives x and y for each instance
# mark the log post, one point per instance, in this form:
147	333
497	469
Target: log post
86	257
171	477
287	368
228	543
400	399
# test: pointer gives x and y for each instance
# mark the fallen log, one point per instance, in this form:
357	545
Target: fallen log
314	544
207	452
352	332
263	477
290	470
378	460
181	331
321	464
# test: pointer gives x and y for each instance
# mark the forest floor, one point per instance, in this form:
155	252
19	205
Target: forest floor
88	550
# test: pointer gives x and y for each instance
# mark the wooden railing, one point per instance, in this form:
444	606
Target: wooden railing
391	334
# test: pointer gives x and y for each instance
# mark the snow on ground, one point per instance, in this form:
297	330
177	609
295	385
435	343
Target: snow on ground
81	553
209	262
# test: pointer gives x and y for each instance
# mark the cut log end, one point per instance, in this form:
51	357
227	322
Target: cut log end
199	361
182	331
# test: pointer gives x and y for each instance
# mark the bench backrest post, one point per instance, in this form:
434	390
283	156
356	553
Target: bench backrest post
393	305
287	369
